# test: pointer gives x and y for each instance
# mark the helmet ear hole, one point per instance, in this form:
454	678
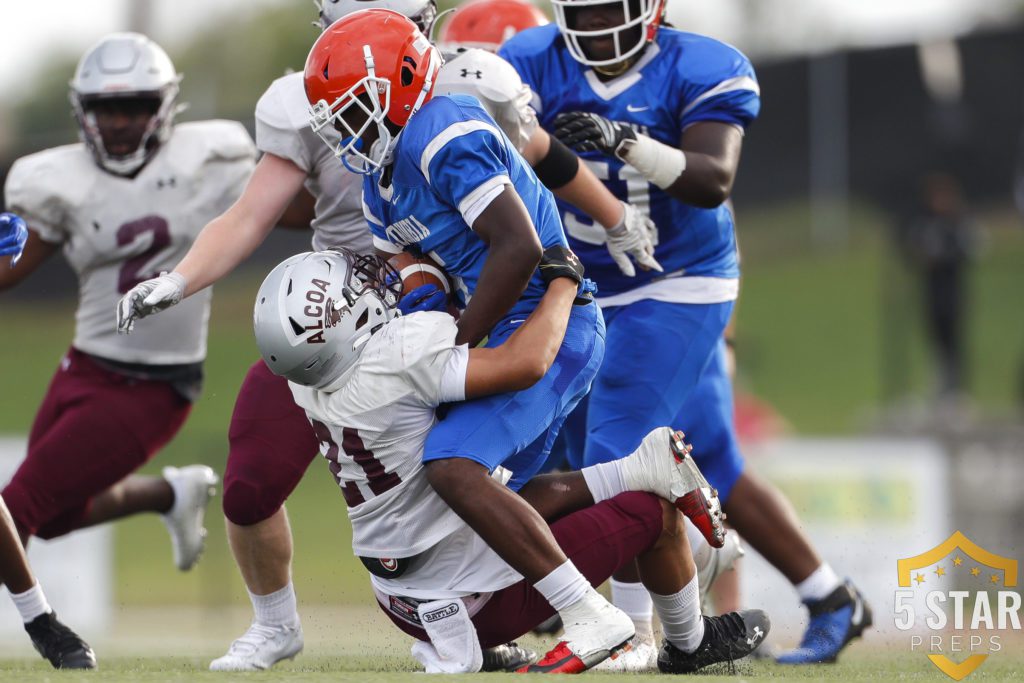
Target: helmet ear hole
363	319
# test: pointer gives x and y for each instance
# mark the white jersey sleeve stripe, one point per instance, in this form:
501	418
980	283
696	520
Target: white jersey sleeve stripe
479	199
385	246
447	135
369	214
728	85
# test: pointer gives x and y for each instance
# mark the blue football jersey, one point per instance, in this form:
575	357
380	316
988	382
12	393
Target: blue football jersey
450	161
681	79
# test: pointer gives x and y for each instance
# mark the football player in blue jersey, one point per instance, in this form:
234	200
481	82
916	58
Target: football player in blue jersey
660	114
442	179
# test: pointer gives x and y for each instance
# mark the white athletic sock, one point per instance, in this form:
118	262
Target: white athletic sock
819	584
31	603
681	622
276	609
605	480
563	586
635	601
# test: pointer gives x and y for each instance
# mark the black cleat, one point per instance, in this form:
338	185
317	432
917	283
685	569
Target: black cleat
507	657
727	638
59	644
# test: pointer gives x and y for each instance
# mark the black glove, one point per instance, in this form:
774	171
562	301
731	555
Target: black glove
559	261
586	132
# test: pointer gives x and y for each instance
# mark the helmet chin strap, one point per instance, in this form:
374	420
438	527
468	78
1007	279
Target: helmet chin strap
618	69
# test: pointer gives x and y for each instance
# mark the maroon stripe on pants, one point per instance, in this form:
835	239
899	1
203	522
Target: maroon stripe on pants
599	540
271	446
94	428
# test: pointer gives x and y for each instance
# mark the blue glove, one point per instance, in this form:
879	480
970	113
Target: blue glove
423	298
13	235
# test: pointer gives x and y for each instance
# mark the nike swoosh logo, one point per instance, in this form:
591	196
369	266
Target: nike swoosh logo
631	108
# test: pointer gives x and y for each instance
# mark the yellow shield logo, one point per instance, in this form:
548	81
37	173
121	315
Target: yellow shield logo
986	569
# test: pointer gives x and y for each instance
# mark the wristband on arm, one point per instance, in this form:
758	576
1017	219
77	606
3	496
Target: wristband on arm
656	161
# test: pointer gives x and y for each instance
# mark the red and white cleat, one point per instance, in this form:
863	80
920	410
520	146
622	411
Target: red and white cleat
663	465
595	630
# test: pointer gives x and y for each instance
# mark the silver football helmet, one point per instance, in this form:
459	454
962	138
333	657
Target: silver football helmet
125	65
421	12
316	311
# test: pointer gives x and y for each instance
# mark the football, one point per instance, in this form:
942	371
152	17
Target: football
417	271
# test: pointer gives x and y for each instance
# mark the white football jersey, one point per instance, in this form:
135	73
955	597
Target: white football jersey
282	129
118	231
372	431
497	85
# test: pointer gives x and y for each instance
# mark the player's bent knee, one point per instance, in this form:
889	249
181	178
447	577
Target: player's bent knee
246	504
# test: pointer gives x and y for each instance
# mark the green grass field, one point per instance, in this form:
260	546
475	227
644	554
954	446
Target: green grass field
373	668
367	669
358	644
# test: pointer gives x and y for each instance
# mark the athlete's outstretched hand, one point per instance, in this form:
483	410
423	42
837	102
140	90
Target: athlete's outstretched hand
147	298
636	236
13	235
586	132
423	298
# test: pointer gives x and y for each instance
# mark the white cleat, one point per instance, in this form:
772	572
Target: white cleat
193	487
662	465
259	648
712	564
642	657
594	631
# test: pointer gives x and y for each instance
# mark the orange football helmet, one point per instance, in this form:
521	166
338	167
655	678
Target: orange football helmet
487	24
368	68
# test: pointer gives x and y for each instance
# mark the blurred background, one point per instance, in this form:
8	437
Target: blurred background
880	331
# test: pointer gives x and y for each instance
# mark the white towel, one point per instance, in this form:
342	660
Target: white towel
454	646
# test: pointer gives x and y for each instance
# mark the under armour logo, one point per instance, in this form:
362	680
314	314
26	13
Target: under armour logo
758	634
169	182
466	72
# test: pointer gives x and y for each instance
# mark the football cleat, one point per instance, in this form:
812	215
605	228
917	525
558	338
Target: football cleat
663	465
193	487
726	638
59	644
641	657
594	631
712	563
835	620
261	647
507	657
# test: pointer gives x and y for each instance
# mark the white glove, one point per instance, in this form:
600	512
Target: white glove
147	298
635	235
